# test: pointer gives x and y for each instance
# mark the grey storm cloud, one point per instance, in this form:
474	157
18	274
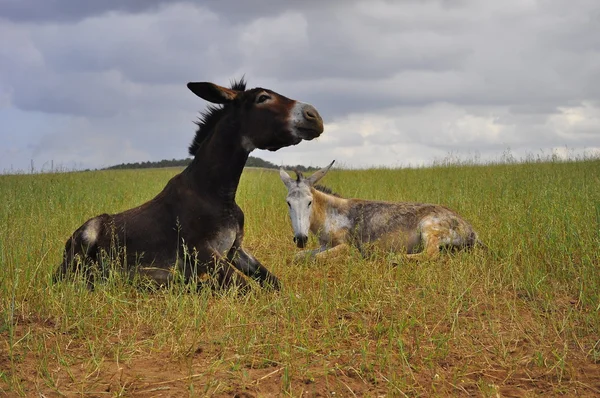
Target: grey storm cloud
445	75
69	10
74	10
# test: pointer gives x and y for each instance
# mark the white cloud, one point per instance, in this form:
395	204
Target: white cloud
419	136
577	124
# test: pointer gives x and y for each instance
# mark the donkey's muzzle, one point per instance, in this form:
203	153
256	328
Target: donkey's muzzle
301	240
311	124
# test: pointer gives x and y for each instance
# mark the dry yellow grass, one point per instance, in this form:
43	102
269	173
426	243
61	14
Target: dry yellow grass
522	320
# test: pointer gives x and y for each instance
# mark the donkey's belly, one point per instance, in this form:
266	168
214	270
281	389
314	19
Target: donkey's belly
399	242
162	270
161	276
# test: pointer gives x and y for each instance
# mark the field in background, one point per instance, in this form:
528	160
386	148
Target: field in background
521	320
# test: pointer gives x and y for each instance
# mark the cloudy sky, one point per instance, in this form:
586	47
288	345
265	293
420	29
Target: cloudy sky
89	84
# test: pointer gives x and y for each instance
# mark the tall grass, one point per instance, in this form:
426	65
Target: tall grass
523	318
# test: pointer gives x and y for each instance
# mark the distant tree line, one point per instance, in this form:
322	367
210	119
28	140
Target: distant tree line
150	165
251	162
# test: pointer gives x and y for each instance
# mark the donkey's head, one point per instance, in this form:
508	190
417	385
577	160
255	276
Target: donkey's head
300	201
265	119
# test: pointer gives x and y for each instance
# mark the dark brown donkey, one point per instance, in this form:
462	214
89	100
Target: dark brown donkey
194	228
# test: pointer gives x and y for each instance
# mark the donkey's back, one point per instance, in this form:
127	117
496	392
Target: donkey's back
408	227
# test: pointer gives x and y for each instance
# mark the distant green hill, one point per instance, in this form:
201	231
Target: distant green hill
252	162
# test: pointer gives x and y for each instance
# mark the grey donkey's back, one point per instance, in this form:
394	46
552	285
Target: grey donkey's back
408	227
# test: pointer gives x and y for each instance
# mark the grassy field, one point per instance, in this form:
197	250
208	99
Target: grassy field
521	320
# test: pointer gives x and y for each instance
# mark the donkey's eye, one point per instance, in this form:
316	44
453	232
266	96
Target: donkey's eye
309	203
289	204
262	98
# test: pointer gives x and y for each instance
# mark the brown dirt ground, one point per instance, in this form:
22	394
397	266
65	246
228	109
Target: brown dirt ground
207	372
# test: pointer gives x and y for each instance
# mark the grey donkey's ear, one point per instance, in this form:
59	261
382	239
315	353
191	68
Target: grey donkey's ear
313	179
287	180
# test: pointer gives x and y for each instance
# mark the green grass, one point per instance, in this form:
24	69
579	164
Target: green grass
520	320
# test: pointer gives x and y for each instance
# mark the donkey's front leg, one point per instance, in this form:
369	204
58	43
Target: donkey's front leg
336	251
249	265
308	254
322	253
225	276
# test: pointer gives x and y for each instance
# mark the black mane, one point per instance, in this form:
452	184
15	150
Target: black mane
210	117
326	190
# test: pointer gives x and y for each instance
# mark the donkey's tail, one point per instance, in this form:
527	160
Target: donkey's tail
479	243
80	248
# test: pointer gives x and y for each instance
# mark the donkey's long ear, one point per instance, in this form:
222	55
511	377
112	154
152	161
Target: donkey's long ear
313	179
287	180
212	92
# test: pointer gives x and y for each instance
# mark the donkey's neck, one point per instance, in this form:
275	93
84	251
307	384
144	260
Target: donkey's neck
219	163
329	217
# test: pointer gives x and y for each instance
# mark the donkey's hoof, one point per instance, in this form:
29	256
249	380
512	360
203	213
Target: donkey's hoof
272	284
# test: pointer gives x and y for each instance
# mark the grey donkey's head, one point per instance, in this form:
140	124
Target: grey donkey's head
300	201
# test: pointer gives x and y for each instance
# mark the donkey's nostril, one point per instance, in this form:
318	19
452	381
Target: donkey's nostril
300	240
311	113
